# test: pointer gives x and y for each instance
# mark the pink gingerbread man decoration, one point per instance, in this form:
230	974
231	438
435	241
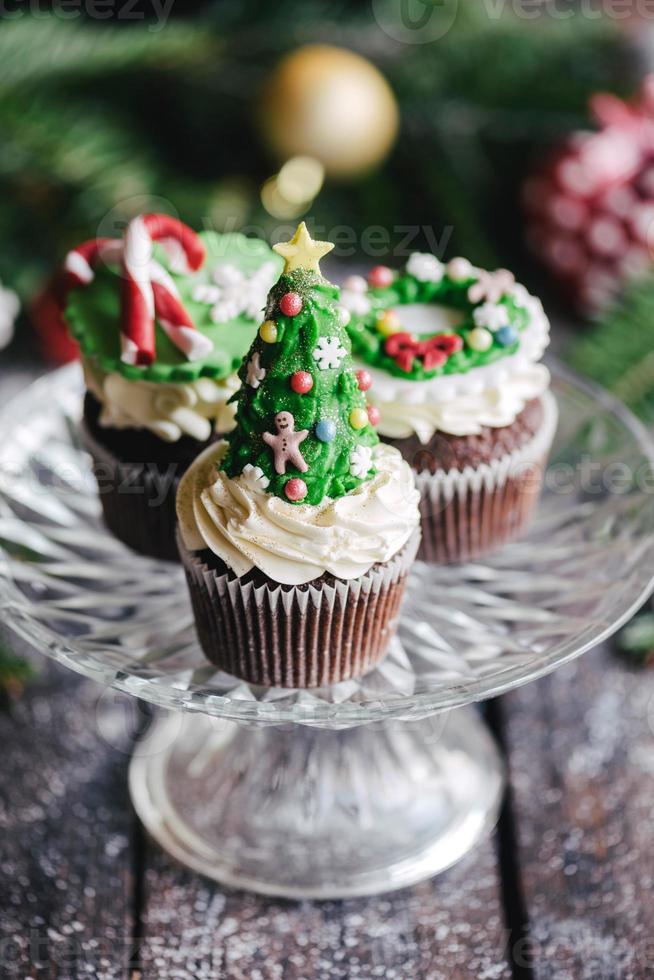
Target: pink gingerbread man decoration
286	443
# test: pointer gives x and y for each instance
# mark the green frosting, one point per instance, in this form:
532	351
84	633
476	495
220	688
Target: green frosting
93	314
369	344
334	395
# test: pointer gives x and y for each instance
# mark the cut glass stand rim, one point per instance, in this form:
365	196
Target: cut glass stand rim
467	632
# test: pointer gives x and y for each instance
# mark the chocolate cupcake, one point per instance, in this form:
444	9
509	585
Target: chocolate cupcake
163	320
451	353
298	530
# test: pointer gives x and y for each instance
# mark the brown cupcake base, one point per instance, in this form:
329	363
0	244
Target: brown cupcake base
469	520
138	498
479	492
273	635
138	501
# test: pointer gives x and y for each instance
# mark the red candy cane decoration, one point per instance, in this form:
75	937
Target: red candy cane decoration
174	319
80	263
147	291
137	300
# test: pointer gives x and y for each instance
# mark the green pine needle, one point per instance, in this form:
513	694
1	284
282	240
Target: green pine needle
37	50
619	350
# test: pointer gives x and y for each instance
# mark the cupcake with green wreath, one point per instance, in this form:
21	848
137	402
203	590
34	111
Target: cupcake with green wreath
163	318
298	530
452	354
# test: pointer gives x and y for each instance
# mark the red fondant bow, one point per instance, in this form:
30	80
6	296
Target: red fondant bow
404	348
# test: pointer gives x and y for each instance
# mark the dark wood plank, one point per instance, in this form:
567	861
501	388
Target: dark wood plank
66	829
582	770
449	928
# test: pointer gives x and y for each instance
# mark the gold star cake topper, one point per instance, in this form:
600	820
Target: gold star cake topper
302	252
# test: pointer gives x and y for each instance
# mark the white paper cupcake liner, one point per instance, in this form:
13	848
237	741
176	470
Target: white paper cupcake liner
297	636
465	513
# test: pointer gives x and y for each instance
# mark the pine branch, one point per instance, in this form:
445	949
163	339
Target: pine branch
70	143
613	353
34	50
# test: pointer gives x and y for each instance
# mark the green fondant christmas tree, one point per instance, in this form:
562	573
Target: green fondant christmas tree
303	429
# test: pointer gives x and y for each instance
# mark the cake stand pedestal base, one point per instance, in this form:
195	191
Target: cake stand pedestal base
304	812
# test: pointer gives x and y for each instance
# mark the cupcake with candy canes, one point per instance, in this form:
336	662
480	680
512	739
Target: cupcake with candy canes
297	531
452	353
163	318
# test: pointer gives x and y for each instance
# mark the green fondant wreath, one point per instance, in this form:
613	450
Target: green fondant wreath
491	305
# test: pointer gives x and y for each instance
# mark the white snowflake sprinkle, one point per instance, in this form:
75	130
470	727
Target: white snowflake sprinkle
225	310
491	286
329	353
425	267
491	316
360	461
254	478
227	274
255	373
234	293
206	293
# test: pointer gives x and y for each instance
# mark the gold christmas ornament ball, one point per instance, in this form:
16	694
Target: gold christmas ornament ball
332	105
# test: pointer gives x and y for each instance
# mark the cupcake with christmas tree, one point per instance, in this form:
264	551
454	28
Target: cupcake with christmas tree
163	319
298	530
454	352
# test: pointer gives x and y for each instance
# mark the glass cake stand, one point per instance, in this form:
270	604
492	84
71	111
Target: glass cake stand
368	785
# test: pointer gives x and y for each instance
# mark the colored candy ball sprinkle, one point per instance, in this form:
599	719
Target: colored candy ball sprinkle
459	269
358	418
268	331
364	379
301	382
355	284
380	276
480	339
389	323
506	336
373	415
295	489
326	430
290	304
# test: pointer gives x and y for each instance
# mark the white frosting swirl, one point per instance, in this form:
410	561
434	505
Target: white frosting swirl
169	410
295	543
464	414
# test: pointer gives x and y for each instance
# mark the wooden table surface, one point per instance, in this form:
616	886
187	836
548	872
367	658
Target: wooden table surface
563	889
